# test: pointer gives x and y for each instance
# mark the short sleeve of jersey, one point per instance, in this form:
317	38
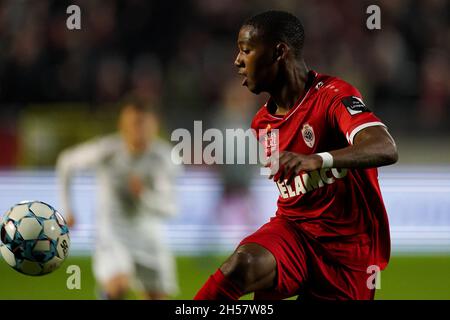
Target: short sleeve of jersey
348	112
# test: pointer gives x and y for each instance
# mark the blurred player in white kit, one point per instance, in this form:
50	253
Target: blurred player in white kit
135	187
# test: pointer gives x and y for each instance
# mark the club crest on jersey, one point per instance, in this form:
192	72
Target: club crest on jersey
308	135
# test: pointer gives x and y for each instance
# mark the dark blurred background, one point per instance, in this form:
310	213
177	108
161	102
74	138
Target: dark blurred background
179	56
59	87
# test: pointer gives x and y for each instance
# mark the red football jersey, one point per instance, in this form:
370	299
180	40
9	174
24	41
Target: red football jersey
340	209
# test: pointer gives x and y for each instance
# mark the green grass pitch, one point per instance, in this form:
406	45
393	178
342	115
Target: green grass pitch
407	277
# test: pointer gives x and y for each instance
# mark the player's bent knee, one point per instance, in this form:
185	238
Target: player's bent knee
237	268
248	265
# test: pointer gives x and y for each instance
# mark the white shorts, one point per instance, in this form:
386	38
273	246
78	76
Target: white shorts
154	273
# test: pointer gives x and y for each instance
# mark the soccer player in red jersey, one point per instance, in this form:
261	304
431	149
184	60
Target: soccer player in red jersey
331	225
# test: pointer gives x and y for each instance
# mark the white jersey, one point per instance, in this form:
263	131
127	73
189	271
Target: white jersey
136	223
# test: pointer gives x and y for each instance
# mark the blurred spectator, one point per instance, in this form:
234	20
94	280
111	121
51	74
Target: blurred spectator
110	81
9	140
146	79
434	91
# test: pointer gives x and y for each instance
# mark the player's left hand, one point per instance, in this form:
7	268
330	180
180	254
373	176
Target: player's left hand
290	164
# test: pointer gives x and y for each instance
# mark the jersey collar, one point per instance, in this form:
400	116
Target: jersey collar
271	107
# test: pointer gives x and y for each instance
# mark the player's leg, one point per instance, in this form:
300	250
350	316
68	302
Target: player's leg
116	287
251	267
158	281
113	269
271	260
155	296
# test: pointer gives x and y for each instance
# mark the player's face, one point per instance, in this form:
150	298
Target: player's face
137	128
255	61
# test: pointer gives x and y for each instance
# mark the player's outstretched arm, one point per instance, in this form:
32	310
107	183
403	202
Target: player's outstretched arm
84	156
372	147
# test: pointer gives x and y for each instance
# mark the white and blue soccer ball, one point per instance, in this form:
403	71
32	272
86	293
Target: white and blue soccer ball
35	238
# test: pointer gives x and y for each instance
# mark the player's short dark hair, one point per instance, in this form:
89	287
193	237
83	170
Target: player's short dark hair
280	26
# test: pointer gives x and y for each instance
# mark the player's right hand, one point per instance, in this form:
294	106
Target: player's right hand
290	164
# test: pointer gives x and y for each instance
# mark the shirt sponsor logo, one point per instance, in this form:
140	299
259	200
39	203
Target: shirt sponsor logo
354	105
309	181
308	135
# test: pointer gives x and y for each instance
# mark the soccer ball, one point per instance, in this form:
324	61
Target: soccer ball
35	238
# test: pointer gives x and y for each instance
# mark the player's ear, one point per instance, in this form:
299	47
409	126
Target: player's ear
281	51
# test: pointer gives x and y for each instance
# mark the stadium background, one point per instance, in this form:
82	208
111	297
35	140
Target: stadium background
60	87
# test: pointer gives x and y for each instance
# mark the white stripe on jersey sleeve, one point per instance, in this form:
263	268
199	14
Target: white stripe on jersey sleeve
352	135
